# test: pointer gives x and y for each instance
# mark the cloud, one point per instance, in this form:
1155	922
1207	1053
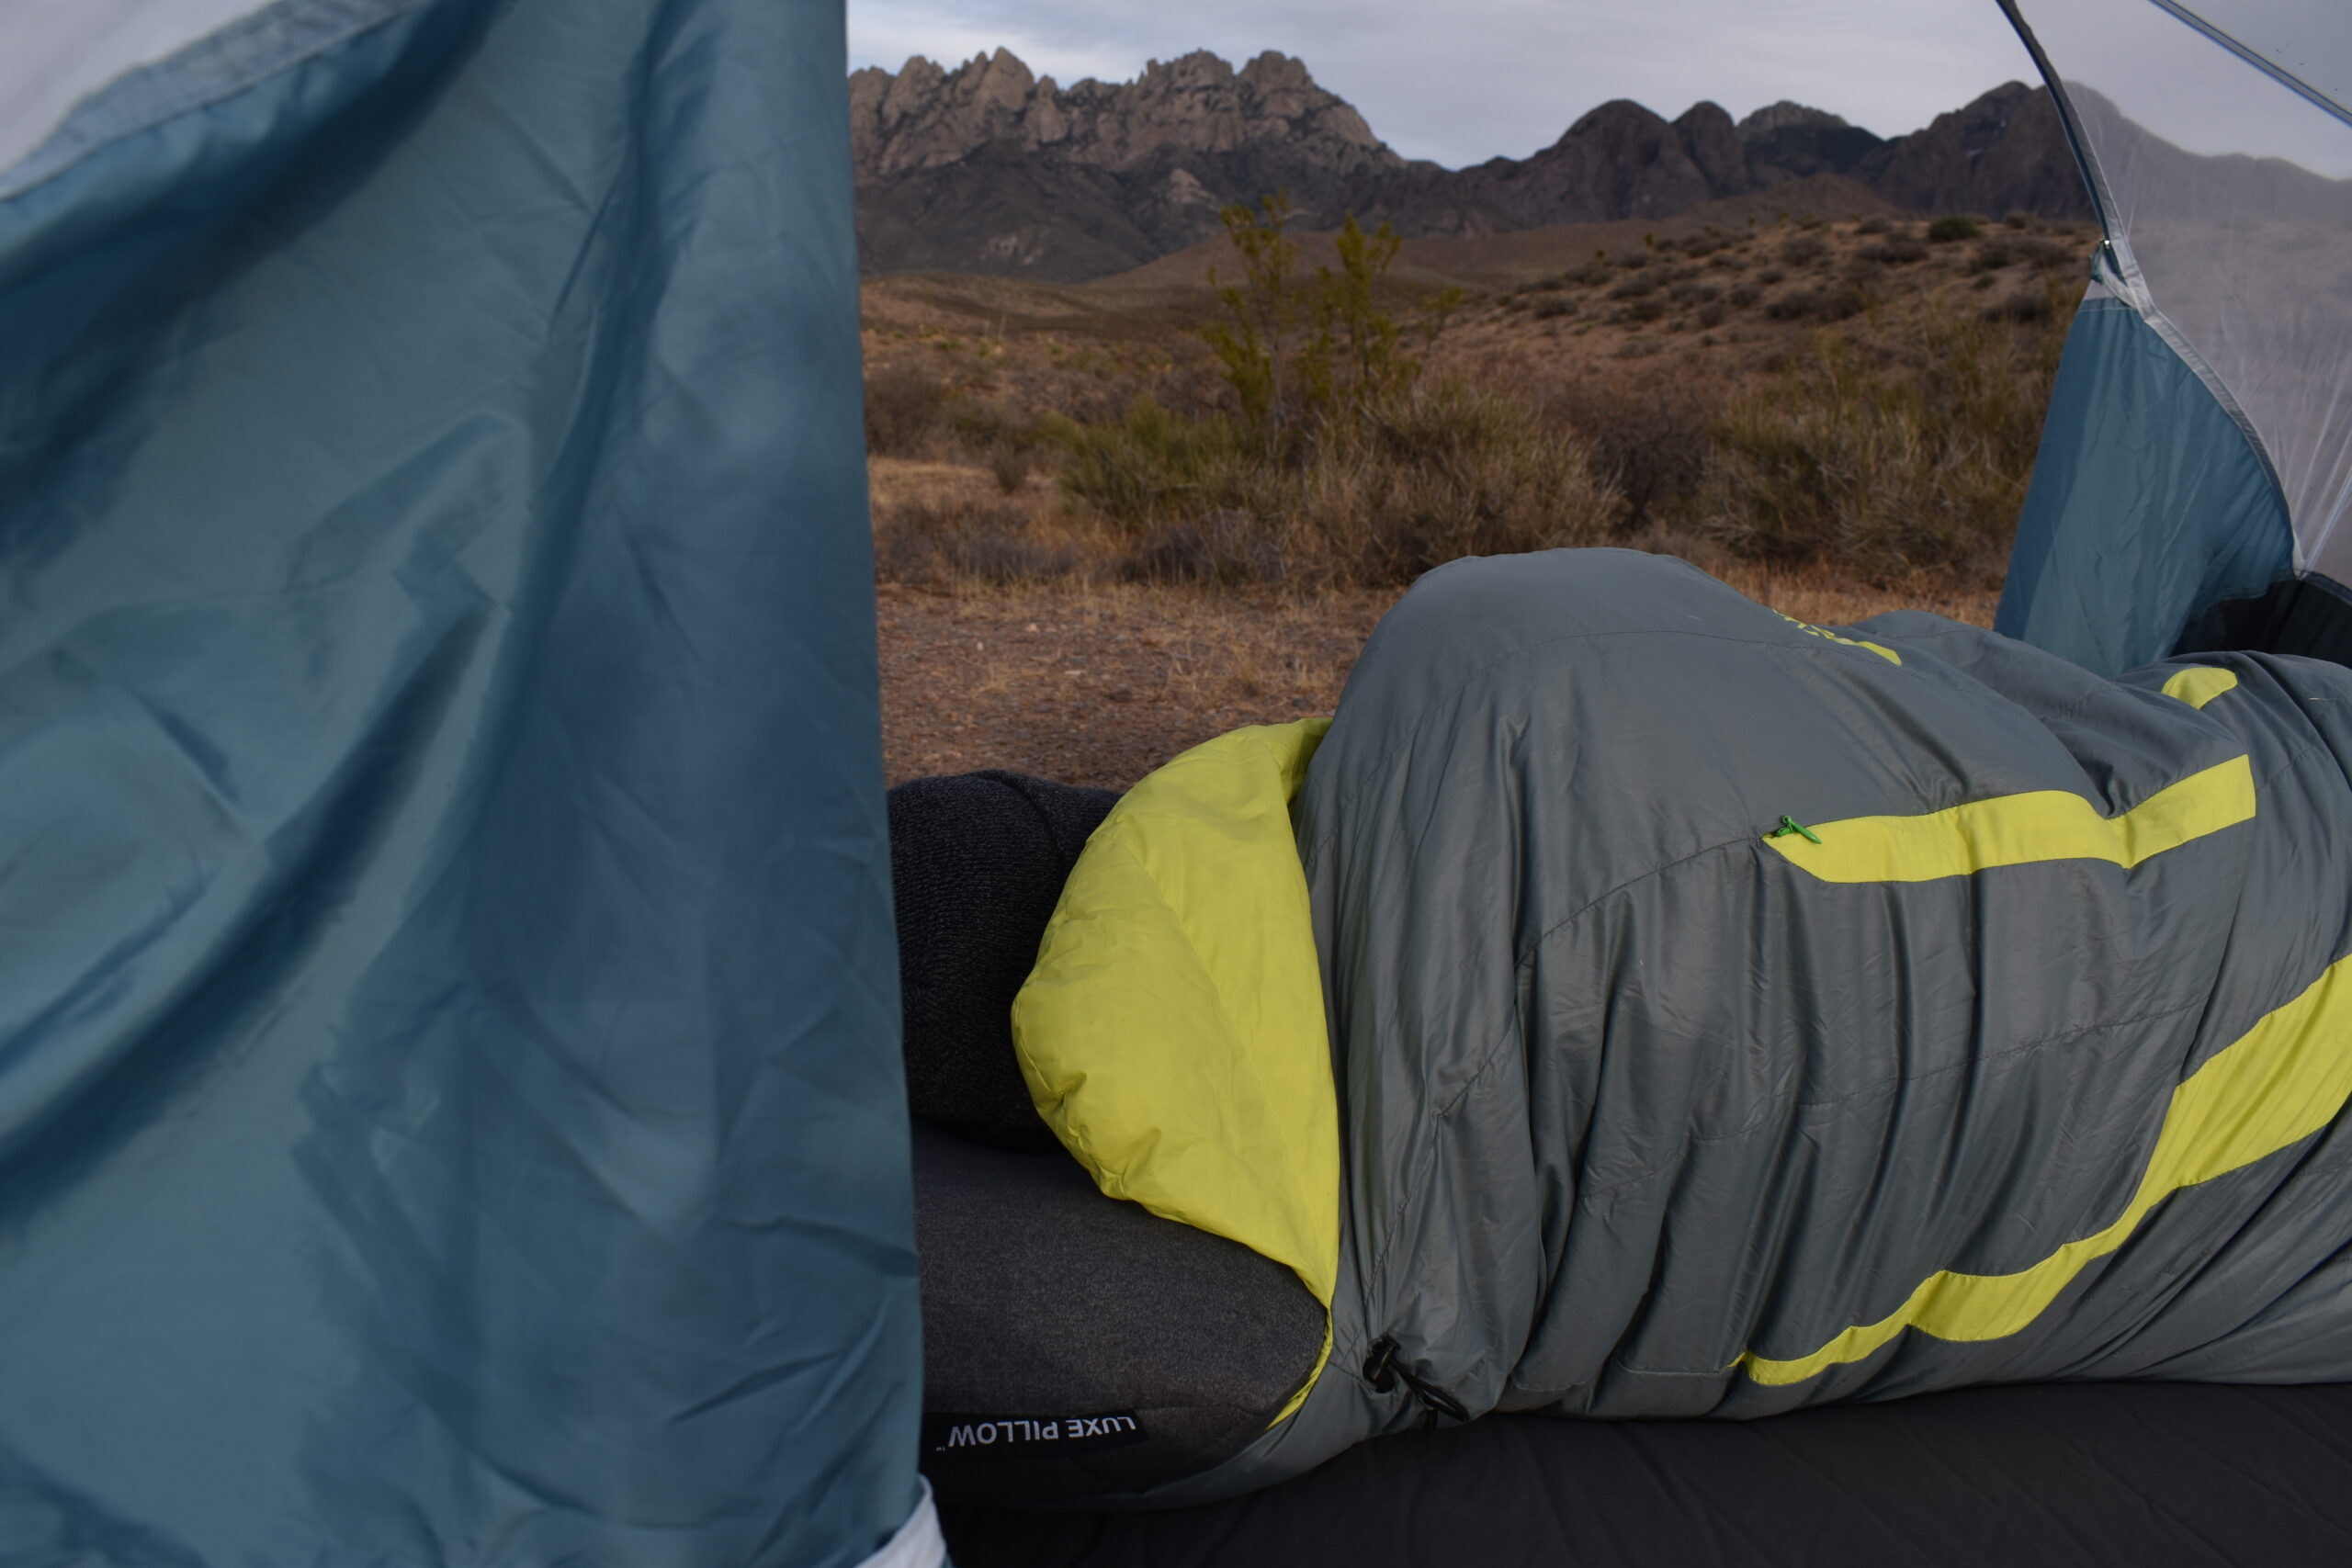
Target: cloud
1463	80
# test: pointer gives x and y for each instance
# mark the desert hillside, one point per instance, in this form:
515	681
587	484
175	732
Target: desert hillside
1090	561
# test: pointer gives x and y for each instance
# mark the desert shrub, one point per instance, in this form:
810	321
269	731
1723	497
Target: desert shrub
1589	275
1010	465
1770	276
1442	473
905	408
1953	227
2044	252
1547	309
1299	352
1834	303
1648	433
1543	285
1225	547
1711	313
1631	260
1900	250
1872	226
2027	303
2018	219
1992	255
1894	467
1689	292
1744	295
1428	476
1635	285
1648	308
1803	250
1149	464
935	546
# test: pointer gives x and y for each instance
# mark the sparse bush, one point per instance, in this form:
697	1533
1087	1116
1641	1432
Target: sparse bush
1225	547
1803	250
1992	255
1872	226
1649	308
1589	275
940	546
1711	314
2018	219
1899	251
1953	227
1888	469
1633	260
1547	309
905	408
2044	252
1300	353
1770	276
1635	285
1010	465
1835	302
1649	433
2026	304
1744	295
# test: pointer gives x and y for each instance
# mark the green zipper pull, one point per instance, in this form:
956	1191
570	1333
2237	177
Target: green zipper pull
1791	825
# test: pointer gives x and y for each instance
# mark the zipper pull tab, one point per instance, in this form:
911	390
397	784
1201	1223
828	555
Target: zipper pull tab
1791	825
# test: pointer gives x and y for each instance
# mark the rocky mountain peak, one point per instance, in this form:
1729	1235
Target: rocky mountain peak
1787	115
925	117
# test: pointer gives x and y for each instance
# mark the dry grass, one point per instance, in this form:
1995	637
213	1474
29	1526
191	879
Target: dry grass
1789	392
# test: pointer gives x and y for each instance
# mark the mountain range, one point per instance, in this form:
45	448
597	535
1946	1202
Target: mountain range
989	168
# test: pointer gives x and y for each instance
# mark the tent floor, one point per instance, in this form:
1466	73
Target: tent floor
2091	1473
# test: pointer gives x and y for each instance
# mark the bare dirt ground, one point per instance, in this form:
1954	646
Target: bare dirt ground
1099	685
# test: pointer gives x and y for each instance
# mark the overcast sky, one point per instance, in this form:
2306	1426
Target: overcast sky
1463	80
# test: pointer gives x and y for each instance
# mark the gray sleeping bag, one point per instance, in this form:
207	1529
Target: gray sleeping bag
1730	1015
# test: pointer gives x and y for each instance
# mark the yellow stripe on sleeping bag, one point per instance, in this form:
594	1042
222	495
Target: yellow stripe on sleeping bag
2284	1081
2021	830
2200	685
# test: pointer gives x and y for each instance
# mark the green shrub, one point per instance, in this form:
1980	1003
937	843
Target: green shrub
1952	227
1149	464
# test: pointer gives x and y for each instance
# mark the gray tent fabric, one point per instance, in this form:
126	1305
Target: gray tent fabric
1647	1112
2195	476
450	1108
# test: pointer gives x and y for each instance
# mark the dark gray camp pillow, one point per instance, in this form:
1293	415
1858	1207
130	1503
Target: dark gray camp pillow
1077	1347
977	864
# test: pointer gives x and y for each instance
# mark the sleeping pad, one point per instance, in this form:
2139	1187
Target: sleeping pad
1642	1004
